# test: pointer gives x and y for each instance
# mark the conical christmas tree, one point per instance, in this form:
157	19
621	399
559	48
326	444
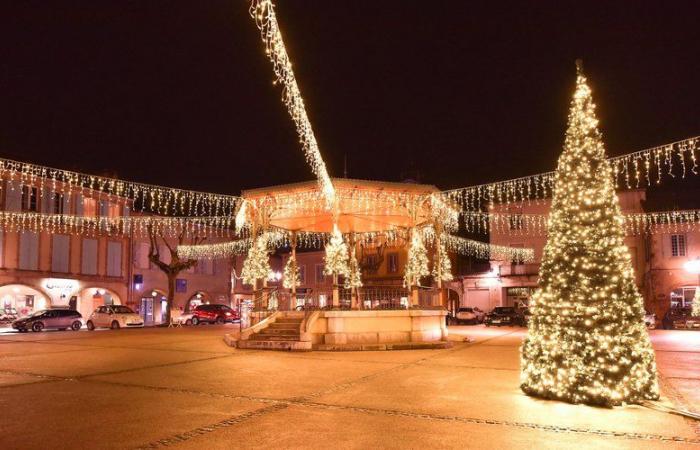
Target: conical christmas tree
586	341
695	311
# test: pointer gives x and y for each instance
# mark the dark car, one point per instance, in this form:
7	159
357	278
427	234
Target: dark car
211	313
61	319
674	317
503	315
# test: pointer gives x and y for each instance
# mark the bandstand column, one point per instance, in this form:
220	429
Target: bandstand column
336	291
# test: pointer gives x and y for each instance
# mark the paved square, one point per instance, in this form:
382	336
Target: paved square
185	388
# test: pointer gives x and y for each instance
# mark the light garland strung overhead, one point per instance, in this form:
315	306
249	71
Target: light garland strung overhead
482	250
147	197
278	238
134	226
632	170
515	224
264	14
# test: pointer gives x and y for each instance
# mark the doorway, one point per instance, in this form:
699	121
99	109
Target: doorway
146	310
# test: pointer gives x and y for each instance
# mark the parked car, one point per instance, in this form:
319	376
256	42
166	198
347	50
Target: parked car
185	318
675	317
213	313
468	314
61	319
503	315
114	317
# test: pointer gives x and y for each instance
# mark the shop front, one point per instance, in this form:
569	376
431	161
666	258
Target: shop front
153	307
19	300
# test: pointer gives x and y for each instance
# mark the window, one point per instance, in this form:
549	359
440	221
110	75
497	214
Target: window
109	209
682	297
60	253
114	259
88	264
678	245
29	198
29	250
320	278
142	260
57	206
392	263
205	267
89	207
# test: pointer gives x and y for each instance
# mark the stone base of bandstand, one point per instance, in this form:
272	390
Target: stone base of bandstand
356	330
378	330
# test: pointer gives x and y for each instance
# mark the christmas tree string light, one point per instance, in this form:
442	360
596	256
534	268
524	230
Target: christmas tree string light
291	277
695	310
586	341
417	263
257	264
336	257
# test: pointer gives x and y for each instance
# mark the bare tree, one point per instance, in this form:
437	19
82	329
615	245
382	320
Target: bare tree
176	265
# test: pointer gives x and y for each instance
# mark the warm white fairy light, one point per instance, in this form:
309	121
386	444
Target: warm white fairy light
257	264
417	262
336	258
586	341
633	170
134	225
695	311
291	277
536	224
354	278
442	266
264	14
147	197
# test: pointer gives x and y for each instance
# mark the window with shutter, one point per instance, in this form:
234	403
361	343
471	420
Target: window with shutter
60	253
88	265
29	250
13	196
114	259
142	249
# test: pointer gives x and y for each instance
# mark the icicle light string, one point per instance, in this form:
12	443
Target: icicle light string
311	240
481	250
152	198
536	224
263	13
633	170
221	227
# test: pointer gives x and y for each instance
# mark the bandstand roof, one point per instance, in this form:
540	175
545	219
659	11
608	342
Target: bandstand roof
363	205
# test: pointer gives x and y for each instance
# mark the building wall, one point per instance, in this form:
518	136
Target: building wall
44	287
666	272
29	289
506	277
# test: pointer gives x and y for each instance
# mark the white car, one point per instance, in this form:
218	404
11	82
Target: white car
184	318
114	317
469	315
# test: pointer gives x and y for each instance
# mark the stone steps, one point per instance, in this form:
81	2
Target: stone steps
282	334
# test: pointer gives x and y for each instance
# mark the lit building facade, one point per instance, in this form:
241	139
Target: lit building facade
658	260
44	268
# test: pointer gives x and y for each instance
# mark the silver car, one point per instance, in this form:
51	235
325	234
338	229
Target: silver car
61	319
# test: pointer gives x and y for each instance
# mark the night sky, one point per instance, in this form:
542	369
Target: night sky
454	92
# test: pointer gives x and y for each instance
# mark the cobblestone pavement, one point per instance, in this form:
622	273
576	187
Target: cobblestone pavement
185	388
